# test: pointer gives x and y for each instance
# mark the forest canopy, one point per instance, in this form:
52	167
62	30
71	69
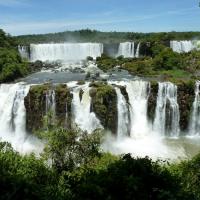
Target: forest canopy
87	35
11	64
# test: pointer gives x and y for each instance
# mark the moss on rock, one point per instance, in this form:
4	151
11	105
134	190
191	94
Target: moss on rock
63	105
104	104
35	104
152	101
185	101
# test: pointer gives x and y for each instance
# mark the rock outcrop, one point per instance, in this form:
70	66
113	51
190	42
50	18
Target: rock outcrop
185	100
152	100
104	104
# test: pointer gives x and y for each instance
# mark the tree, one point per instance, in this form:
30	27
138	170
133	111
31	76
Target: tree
68	149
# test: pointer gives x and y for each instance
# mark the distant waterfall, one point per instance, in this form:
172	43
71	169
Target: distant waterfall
83	117
127	49
185	46
167	110
23	51
194	128
137	54
65	51
123	115
138	97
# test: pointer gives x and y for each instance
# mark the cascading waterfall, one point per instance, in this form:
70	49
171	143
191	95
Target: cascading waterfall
134	133
137	54
127	49
194	128
13	118
138	98
83	117
167	111
123	115
184	46
65	51
23	50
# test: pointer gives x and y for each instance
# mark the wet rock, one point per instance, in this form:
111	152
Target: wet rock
185	100
152	101
104	105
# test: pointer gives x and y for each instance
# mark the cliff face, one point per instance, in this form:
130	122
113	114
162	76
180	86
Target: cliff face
104	104
185	100
63	99
152	100
36	106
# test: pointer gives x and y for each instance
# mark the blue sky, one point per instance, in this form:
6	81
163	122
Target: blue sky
42	16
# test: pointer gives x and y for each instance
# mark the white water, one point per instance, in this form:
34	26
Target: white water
194	128
185	46
123	115
167	94
137	54
13	118
23	52
135	134
138	97
127	49
65	51
82	115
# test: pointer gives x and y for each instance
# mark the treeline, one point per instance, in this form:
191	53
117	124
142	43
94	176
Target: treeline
11	64
88	35
73	167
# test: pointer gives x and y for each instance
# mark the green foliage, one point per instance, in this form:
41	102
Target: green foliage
167	60
6	41
69	149
24	177
92	174
11	64
88	35
127	178
188	172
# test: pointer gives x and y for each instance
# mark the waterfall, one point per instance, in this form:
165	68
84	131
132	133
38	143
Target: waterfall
83	117
13	118
126	49
194	127
65	51
167	111
137	54
184	46
23	51
123	115
138	97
